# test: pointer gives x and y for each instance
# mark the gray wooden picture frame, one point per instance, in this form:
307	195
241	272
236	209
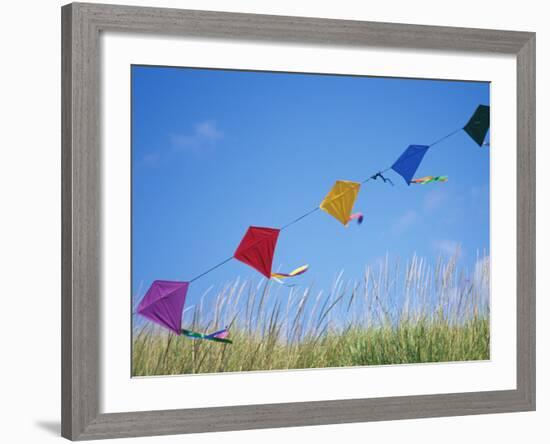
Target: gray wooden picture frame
81	232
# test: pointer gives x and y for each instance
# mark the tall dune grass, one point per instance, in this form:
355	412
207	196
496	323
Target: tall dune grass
395	314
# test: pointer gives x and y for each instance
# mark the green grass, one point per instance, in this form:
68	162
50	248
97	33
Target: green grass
391	316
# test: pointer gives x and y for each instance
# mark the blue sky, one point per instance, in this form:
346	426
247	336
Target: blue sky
214	151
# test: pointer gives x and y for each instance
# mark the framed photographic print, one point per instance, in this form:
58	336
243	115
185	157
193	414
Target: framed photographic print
279	221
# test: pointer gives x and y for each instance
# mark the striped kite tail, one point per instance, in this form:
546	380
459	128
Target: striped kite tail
298	271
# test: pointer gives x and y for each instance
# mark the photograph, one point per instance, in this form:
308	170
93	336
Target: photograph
286	221
266	222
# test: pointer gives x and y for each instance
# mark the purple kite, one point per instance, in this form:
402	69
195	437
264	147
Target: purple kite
163	304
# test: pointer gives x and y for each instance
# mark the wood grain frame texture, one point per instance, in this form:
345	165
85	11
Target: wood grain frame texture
81	234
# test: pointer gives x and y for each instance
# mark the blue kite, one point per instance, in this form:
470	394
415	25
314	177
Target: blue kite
408	162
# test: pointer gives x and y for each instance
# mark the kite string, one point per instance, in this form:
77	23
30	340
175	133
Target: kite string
211	269
445	137
303	216
379	173
299	218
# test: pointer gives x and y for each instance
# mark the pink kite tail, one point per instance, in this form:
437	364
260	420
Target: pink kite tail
222	334
358	216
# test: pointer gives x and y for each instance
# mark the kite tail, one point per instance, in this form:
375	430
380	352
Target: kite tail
358	216
380	176
211	337
429	179
221	334
298	271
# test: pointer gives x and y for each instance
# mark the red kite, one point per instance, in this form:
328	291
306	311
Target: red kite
257	249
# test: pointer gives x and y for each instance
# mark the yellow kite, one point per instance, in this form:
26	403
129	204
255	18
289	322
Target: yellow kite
340	200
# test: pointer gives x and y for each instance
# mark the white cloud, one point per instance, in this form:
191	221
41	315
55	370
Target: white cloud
478	192
208	130
204	135
482	268
448	247
149	160
482	278
434	199
409	218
